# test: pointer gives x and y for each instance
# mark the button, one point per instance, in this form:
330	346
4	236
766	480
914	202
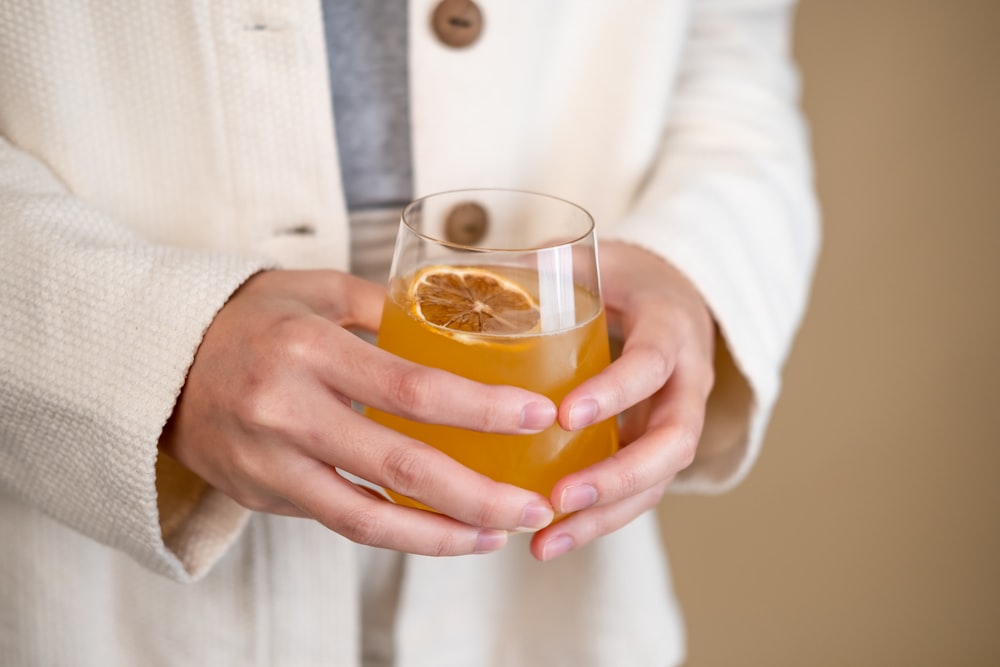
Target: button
466	224
457	23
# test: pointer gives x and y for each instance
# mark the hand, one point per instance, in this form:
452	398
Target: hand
663	378
265	415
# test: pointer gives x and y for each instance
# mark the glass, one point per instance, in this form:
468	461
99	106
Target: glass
502	287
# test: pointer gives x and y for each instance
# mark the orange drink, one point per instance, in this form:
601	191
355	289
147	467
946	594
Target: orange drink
519	306
548	363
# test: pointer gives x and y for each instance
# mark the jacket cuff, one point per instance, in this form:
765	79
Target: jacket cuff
197	522
749	351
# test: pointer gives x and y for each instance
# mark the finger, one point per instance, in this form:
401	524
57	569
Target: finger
635	421
584	527
271	505
668	446
388	383
418	471
363	303
316	425
359	516
646	362
345	299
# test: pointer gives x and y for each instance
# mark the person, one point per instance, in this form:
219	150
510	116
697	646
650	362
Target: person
181	205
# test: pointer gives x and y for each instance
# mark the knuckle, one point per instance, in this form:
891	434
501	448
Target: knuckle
362	526
684	326
629	482
488	512
404	470
243	467
619	395
444	546
490	416
295	339
685	448
261	409
250	501
252	495
260	403
654	367
658	364
409	389
261	504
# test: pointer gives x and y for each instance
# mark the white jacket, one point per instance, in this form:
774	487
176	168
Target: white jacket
153	155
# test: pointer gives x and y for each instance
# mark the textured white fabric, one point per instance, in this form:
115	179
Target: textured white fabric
154	155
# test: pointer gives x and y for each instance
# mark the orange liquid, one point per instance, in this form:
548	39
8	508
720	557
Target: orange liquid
550	364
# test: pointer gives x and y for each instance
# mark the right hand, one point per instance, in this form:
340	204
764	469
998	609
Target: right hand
265	416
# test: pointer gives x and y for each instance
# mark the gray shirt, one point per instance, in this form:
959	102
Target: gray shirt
366	51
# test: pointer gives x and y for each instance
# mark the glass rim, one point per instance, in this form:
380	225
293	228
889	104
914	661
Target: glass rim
591	225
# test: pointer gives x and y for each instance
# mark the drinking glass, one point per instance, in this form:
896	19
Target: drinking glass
502	287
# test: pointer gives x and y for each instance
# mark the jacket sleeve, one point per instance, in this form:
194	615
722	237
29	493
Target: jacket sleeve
99	328
731	204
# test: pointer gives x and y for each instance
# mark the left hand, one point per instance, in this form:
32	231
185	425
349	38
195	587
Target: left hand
662	378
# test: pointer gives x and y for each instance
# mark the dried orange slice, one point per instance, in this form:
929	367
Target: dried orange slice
472	299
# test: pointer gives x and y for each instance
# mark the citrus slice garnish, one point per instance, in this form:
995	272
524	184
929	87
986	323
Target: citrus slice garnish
472	299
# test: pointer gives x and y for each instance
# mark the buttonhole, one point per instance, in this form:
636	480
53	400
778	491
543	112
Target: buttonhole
298	230
265	26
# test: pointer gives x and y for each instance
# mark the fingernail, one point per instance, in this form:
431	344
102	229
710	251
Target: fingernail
538	416
582	413
577	497
557	546
536	516
490	540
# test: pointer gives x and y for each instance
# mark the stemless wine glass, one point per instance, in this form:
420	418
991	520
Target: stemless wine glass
500	286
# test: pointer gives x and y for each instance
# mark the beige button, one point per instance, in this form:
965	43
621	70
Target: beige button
457	23
466	224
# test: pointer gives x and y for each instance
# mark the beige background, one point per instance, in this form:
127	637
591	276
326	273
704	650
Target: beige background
869	532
